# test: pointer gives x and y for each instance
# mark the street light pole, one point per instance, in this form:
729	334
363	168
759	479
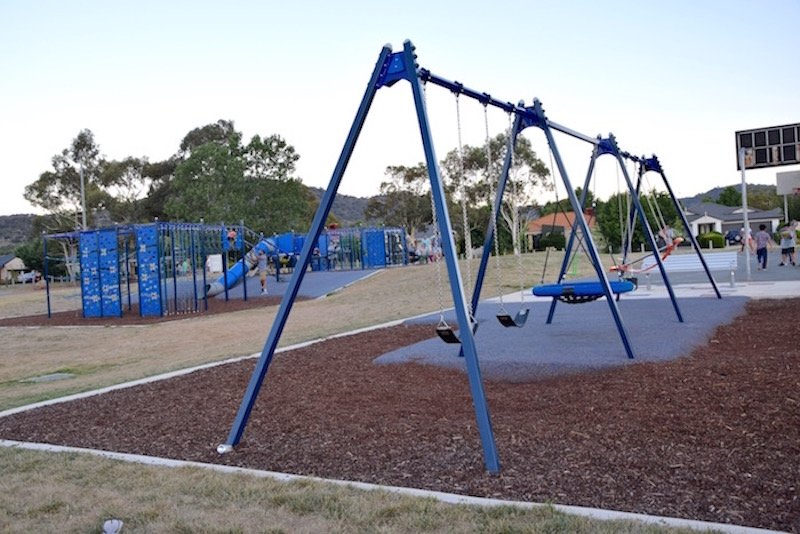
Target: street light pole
747	232
83	197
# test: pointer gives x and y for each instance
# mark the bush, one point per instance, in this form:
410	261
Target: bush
711	239
557	241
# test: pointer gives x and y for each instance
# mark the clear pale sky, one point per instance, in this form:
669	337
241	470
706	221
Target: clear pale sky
676	78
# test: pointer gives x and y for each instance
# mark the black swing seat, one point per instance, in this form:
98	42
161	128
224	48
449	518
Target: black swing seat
448	335
513	322
579	292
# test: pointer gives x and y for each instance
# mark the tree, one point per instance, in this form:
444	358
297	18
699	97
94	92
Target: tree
270	159
221	132
228	182
404	199
563	205
479	176
763	199
208	185
159	175
31	254
127	184
730	197
612	217
58	192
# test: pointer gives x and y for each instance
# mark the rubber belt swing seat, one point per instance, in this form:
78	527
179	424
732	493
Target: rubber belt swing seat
581	292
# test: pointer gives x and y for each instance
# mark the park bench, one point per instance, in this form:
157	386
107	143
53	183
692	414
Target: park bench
683	263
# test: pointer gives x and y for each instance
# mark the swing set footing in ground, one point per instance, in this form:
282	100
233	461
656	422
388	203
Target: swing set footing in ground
392	67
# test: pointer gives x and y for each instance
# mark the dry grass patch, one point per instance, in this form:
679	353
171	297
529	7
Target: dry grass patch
105	356
69	492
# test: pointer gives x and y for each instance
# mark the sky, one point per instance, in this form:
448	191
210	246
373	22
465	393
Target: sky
675	79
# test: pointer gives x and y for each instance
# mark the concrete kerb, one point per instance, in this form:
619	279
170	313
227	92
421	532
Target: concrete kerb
448	498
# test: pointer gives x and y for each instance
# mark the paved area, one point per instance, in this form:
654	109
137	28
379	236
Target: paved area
315	284
585	337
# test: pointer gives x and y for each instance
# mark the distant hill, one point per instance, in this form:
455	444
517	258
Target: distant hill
14	231
349	210
713	194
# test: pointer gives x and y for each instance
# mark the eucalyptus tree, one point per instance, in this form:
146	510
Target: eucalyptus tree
404	199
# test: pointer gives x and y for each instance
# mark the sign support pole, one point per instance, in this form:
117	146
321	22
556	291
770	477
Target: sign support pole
747	232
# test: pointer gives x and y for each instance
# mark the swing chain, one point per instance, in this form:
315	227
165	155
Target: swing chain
462	191
436	238
494	215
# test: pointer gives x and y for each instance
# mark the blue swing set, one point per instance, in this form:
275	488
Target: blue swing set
391	68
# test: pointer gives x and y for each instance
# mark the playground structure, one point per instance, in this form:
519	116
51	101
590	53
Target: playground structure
336	249
390	68
164	267
159	266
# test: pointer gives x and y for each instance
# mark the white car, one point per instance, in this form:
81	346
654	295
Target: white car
29	277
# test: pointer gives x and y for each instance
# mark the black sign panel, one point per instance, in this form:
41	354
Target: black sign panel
769	147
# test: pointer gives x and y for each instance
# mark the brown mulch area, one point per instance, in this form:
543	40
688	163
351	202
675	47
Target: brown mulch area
715	436
131	317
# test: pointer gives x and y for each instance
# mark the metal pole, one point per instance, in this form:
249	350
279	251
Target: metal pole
128	269
786	208
83	196
204	257
244	263
462	311
747	232
267	353
193	252
46	280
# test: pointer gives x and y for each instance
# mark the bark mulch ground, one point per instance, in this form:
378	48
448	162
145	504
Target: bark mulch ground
713	436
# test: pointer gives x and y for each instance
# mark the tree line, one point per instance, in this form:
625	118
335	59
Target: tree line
216	176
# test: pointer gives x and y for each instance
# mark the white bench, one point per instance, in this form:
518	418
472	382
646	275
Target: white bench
683	263
678	263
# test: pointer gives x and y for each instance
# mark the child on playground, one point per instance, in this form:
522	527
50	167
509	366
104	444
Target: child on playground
262	270
763	240
788	234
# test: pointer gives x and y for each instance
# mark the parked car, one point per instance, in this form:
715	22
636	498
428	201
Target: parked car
29	277
733	237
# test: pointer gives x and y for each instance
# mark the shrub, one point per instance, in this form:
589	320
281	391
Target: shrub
711	239
557	241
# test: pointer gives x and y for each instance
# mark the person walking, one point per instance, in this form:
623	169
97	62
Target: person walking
763	241
262	270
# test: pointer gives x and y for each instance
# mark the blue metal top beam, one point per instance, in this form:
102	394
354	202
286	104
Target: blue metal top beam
394	69
533	116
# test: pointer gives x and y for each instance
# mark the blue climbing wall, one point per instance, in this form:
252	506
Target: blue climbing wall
100	289
149	278
373	243
110	294
90	275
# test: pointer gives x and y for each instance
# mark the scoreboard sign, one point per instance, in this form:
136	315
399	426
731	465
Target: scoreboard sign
769	147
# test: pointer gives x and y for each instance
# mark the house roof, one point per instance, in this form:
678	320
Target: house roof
728	213
557	219
5	258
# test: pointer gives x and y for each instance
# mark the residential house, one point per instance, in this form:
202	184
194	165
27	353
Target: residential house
10	266
559	222
706	216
